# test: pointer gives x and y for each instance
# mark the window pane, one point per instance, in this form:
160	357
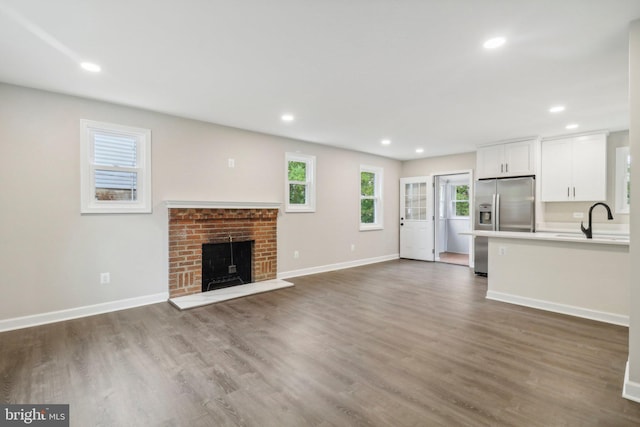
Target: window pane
408	214
297	171
423	214
297	194
367	211
462	192
111	150
116	185
462	209
367	183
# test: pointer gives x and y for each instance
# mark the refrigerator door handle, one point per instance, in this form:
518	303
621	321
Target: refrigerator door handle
494	212
497	212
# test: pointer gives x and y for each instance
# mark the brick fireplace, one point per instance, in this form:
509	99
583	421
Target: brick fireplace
192	224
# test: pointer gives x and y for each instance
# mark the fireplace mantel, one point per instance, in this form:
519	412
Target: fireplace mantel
186	204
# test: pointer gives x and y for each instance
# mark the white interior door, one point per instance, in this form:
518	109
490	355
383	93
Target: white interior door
416	218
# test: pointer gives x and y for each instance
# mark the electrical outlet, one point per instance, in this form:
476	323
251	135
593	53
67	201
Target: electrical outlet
232	163
578	215
502	250
296	254
105	278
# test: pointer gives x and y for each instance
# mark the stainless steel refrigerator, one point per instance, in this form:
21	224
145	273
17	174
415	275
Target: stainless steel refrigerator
505	204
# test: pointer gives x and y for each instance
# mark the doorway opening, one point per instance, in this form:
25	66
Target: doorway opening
453	216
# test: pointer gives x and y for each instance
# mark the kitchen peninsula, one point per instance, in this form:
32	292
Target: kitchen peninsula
561	272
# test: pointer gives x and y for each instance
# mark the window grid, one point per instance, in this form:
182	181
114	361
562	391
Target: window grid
415	201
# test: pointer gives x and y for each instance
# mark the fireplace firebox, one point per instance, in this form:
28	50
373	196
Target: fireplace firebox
226	264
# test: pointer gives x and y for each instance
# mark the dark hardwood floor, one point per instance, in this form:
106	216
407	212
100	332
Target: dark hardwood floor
401	343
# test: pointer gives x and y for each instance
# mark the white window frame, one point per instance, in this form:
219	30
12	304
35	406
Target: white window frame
310	182
88	202
622	178
377	197
453	201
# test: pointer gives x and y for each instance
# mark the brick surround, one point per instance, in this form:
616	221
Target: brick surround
190	228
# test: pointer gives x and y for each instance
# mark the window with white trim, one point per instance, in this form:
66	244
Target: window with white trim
371	198
300	189
459	201
115	163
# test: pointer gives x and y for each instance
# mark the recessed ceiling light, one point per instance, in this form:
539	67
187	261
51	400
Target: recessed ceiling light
419	150
557	109
494	43
287	117
571	126
90	66
385	142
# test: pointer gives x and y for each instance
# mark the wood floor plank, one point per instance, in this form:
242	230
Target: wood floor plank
400	343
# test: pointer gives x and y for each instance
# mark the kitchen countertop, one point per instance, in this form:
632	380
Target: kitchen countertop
600	239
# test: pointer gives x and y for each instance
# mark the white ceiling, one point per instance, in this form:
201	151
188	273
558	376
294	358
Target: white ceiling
353	72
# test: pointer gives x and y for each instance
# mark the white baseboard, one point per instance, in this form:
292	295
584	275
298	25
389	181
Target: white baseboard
616	319
74	313
90	310
338	266
631	389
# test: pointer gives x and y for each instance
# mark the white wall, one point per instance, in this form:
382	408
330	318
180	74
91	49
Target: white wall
51	256
455	242
440	164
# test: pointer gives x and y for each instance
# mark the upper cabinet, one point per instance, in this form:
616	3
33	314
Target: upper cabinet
574	169
507	159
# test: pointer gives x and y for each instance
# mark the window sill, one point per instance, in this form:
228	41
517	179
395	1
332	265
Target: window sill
116	210
299	210
372	227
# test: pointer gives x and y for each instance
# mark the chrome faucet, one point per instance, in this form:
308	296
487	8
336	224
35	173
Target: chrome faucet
588	231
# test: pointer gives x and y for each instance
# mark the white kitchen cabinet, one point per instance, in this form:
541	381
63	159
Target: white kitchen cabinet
574	169
507	159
